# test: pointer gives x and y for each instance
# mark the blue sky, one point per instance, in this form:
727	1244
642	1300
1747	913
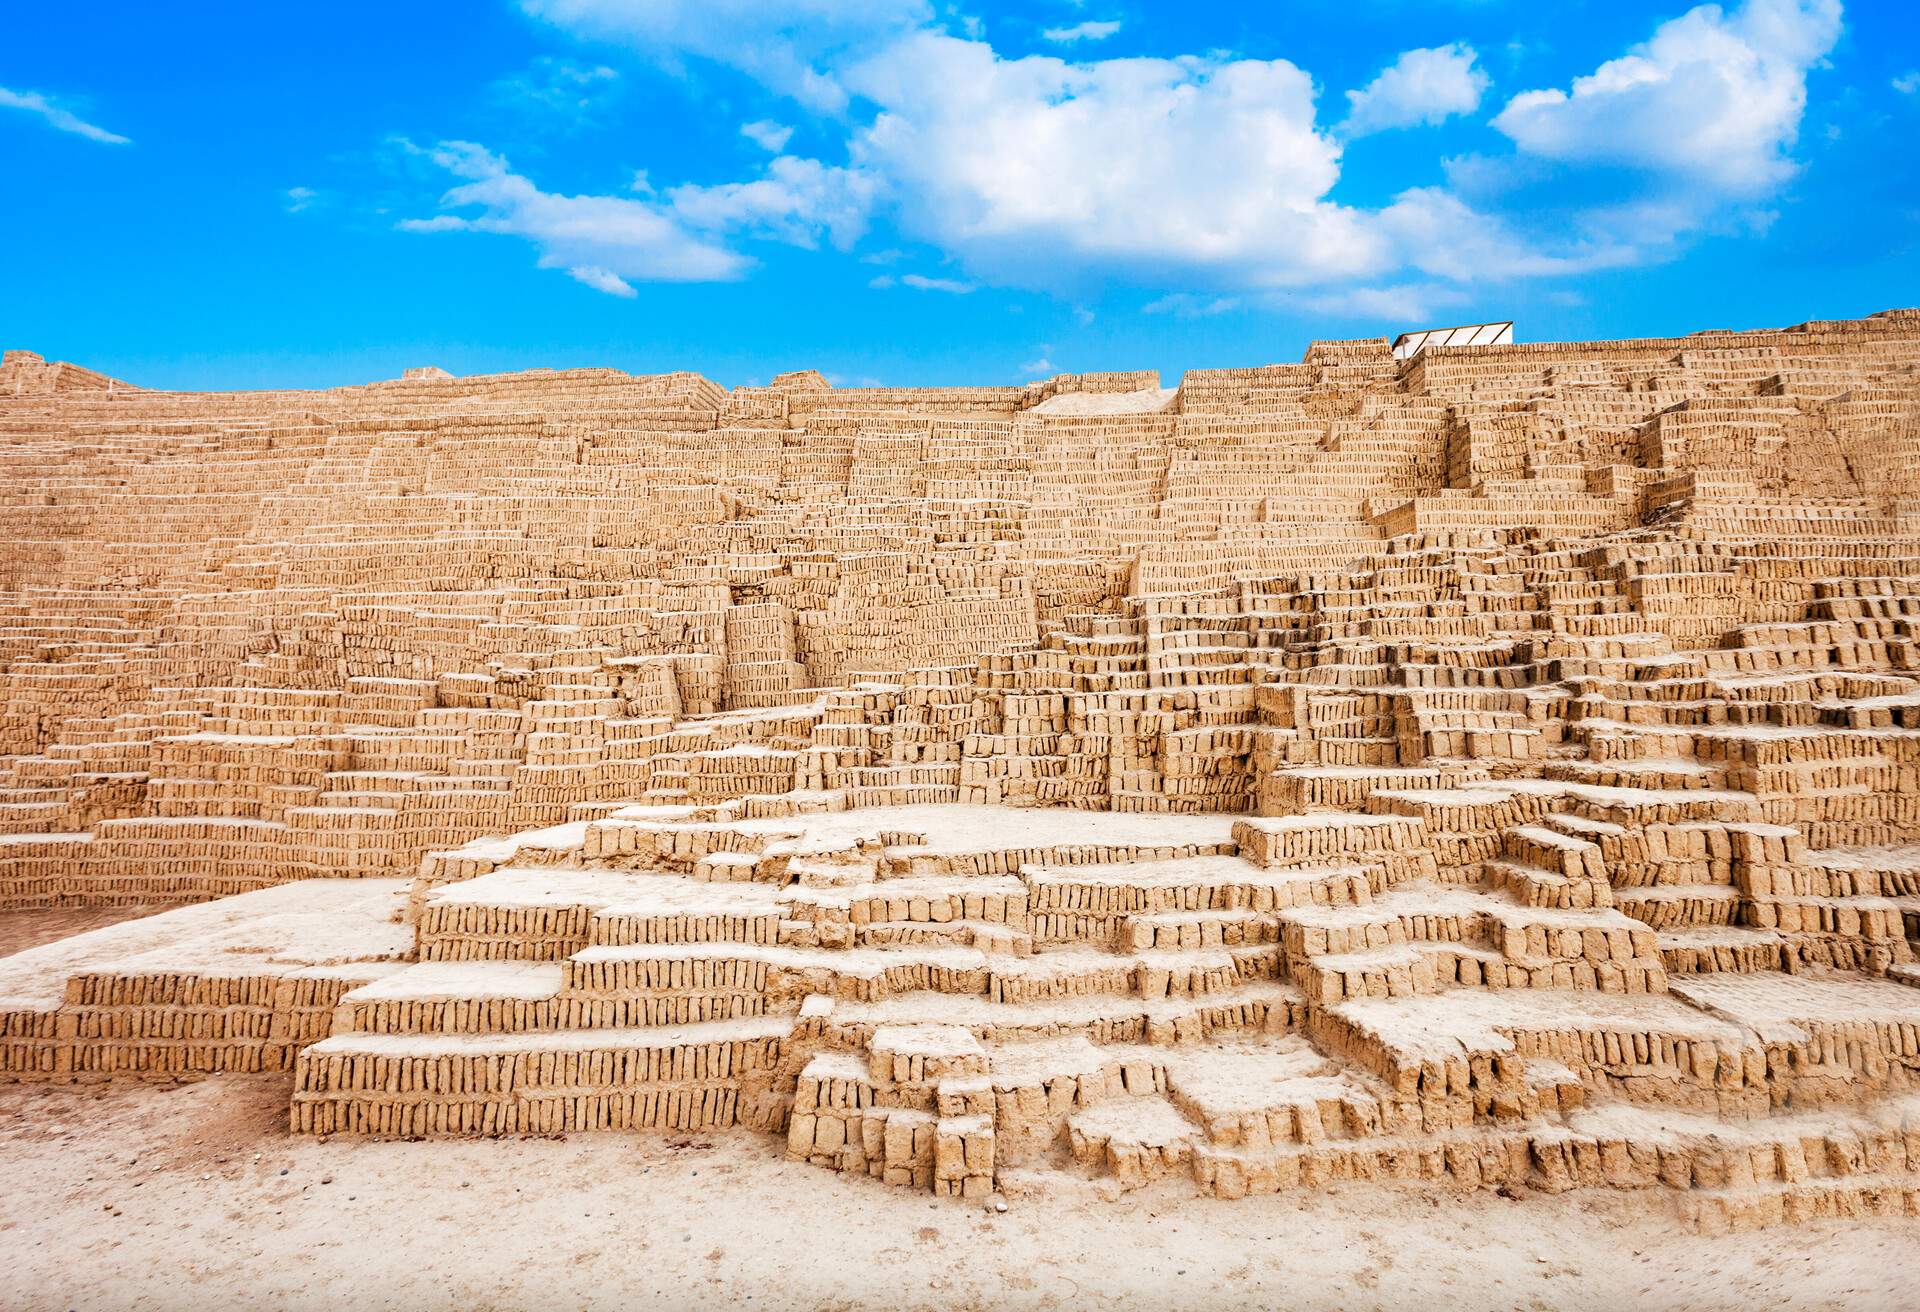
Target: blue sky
913	192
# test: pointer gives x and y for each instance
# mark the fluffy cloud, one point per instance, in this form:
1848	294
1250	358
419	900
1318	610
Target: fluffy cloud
603	280
600	240
921	283
767	134
1421	86
1713	97
61	120
798	201
1434	232
1088	31
1030	169
1210	176
604	241
1907	83
789	46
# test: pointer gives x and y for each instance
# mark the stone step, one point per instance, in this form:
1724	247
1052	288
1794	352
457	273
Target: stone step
1424	913
1534	886
543	913
1092	903
1888	871
675	911
1551	848
985	935
1400	971
1728	949
1633	806
1318	838
1302	788
511	997
782	973
1256	1007
1804	1202
690	1077
938	899
1134	1140
1198	929
1252	1095
1681	905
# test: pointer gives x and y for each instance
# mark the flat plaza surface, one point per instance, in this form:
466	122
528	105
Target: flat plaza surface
195	1195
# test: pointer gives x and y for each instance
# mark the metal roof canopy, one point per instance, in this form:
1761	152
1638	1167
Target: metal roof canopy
1408	345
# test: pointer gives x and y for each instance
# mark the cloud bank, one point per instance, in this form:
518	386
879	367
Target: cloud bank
1204	176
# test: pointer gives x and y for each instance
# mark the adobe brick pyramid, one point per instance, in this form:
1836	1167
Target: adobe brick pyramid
1500	767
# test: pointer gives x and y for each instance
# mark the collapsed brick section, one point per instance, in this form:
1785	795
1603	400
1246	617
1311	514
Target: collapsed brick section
1497	767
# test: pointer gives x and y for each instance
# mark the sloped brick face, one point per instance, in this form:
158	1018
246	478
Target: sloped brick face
1499	767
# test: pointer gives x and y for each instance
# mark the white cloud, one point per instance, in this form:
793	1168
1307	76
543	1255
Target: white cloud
920	282
767	134
797	202
1185	305
603	280
606	242
1421	86
1907	83
57	118
786	45
1033	170
1040	364
560	87
1400	304
1087	31
300	198
600	240
1438	234
1713	97
1215	175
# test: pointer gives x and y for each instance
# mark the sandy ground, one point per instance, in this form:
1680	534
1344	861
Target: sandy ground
156	1196
20	930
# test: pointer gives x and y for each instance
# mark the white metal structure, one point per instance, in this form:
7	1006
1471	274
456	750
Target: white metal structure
1408	345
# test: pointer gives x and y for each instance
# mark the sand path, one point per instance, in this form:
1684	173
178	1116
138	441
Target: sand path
196	1196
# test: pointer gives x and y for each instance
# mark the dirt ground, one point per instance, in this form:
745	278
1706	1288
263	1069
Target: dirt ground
20	930
195	1195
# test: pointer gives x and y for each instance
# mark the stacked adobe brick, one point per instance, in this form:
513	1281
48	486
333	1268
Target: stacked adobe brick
1497	766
